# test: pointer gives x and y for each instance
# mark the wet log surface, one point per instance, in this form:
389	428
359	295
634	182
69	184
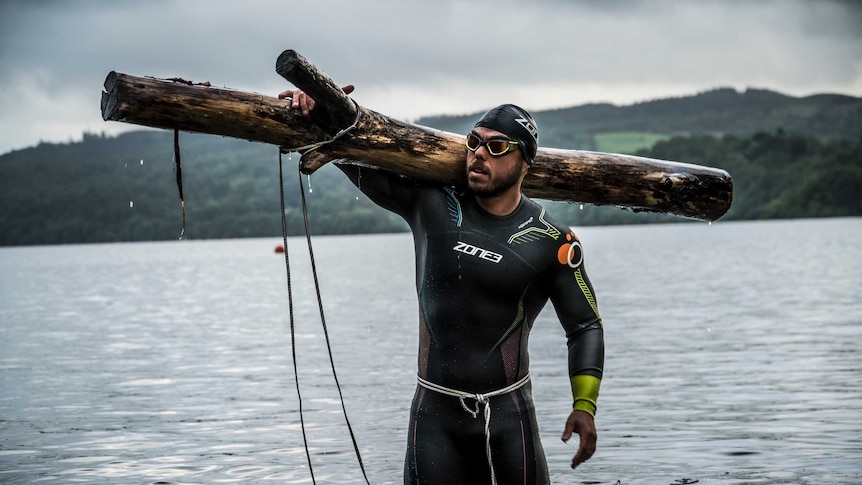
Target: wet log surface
373	139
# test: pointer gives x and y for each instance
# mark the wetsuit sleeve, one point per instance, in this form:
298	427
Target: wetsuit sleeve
574	301
389	190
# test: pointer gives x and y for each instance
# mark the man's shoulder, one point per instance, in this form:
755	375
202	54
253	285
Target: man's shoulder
533	207
537	230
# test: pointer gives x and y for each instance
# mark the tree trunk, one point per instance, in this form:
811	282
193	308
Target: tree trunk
351	133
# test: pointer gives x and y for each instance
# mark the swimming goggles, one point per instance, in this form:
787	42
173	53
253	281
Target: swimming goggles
497	147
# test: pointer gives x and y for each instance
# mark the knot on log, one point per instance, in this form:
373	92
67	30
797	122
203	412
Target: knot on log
189	83
668	181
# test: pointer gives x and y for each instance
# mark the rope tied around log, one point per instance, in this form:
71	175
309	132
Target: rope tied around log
303	150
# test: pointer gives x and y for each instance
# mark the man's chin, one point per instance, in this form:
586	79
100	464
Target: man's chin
483	190
487	186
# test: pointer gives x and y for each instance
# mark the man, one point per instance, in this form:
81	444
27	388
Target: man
488	258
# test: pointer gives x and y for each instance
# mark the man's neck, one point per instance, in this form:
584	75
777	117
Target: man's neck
501	205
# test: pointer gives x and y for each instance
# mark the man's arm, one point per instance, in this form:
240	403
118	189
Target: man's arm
388	190
585	392
575	303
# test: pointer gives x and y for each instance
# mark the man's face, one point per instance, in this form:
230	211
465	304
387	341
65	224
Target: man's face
489	176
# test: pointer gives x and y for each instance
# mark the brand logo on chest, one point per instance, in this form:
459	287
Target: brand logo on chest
480	253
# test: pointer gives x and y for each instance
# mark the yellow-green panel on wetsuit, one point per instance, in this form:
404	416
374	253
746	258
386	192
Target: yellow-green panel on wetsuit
585	391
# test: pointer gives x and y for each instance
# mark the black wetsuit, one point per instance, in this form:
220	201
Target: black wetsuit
481	281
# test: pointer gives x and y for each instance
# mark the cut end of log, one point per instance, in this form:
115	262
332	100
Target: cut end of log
109	98
311	161
286	61
334	110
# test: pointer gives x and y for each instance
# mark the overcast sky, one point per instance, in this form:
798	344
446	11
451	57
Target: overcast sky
414	58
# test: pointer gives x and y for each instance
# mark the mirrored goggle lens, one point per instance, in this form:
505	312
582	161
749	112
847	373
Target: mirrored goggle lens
473	142
495	146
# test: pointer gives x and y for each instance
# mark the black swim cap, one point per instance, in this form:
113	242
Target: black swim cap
517	124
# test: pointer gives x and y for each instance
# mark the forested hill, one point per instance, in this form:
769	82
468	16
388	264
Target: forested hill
789	157
716	112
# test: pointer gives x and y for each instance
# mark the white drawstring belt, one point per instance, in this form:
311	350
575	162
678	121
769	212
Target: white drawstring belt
480	399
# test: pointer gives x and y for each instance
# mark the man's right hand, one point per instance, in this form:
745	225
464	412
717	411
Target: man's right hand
303	102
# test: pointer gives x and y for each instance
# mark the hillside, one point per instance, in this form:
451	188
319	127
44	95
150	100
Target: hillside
790	157
718	112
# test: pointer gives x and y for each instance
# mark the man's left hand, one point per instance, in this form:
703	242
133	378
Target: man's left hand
581	422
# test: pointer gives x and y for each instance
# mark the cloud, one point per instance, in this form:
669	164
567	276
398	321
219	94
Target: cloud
410	59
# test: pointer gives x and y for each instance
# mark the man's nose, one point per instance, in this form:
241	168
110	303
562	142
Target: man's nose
484	152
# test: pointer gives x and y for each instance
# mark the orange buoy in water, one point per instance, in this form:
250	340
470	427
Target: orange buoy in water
279	249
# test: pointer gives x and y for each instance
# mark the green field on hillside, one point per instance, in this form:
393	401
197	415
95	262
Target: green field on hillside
627	141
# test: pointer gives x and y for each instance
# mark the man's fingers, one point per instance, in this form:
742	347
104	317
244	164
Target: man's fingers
303	102
306	104
568	430
571	427
587	446
585	452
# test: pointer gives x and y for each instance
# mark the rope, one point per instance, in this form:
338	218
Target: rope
322	320
325	331
178	169
480	399
304	150
292	319
314	146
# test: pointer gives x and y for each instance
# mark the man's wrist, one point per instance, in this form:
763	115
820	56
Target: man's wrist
586	406
585	391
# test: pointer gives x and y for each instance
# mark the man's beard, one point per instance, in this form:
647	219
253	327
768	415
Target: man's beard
498	185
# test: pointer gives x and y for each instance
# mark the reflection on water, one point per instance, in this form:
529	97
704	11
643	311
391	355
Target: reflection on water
733	356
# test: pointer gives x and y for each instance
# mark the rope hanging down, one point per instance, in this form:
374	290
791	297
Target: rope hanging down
308	148
178	169
292	320
320	308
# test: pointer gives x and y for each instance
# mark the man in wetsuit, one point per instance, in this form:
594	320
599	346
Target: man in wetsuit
488	258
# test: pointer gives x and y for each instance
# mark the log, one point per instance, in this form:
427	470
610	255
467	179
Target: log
373	139
337	110
182	105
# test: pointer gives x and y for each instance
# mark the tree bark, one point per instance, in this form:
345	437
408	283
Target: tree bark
369	138
201	108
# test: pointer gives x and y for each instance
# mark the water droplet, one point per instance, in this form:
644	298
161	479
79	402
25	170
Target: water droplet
310	190
710	223
142	161
582	206
131	204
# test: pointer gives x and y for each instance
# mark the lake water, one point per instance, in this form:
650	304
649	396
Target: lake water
734	356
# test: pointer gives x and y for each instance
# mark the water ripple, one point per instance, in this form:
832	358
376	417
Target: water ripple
730	359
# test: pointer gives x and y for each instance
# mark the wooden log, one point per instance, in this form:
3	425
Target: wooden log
638	183
182	105
570	175
336	110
